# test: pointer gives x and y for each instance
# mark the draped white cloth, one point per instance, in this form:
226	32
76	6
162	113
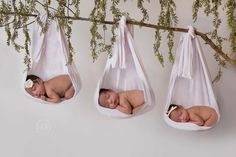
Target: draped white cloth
124	71
49	55
190	83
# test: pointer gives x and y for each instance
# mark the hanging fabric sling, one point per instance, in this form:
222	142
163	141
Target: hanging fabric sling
190	83
123	71
49	55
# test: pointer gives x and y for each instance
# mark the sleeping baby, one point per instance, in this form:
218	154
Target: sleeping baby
52	90
199	115
128	102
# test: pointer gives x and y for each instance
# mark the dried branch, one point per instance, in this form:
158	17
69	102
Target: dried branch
175	29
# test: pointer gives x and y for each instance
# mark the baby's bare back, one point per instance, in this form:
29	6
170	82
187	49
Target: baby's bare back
207	114
59	84
130	101
134	97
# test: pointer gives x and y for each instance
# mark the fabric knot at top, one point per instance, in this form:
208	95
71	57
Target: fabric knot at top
122	22
191	31
119	50
185	64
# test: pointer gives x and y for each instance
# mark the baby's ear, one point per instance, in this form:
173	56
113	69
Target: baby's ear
180	106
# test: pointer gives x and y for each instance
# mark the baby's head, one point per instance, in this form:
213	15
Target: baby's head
108	98
177	113
35	86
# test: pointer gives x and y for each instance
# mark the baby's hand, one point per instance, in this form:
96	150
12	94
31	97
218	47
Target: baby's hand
43	97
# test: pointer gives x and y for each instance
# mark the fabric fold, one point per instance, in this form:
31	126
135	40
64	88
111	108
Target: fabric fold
186	54
119	58
49	55
124	71
190	83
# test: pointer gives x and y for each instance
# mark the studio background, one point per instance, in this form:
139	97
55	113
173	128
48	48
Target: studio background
75	128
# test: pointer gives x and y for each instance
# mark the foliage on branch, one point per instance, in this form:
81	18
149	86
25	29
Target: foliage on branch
231	19
212	8
17	15
167	18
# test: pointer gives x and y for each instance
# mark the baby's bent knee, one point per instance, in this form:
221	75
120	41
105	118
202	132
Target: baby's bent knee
69	94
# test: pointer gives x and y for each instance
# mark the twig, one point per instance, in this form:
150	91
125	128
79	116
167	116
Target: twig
7	24
47	6
68	8
26	24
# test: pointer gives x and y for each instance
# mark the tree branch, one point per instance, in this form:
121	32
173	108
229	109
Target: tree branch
7	24
176	29
45	6
26	24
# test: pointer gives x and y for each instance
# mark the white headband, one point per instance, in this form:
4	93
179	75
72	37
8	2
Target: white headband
29	83
171	109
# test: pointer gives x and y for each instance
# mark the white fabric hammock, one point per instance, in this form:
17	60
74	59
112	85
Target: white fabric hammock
190	82
49	56
123	71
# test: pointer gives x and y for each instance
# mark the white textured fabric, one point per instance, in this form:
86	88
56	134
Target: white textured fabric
190	82
123	71
49	55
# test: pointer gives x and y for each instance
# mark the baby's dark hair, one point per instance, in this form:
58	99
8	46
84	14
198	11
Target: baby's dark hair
34	78
171	108
171	105
103	90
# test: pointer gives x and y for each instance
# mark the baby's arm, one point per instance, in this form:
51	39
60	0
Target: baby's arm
197	120
124	105
124	109
53	97
135	99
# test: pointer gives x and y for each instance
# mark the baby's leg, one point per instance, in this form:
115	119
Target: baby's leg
69	93
212	120
137	108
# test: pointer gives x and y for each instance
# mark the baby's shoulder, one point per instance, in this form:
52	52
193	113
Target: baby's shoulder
122	96
206	108
61	77
133	93
201	110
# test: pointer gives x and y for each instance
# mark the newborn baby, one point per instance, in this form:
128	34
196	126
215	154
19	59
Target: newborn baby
52	90
127	102
199	115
